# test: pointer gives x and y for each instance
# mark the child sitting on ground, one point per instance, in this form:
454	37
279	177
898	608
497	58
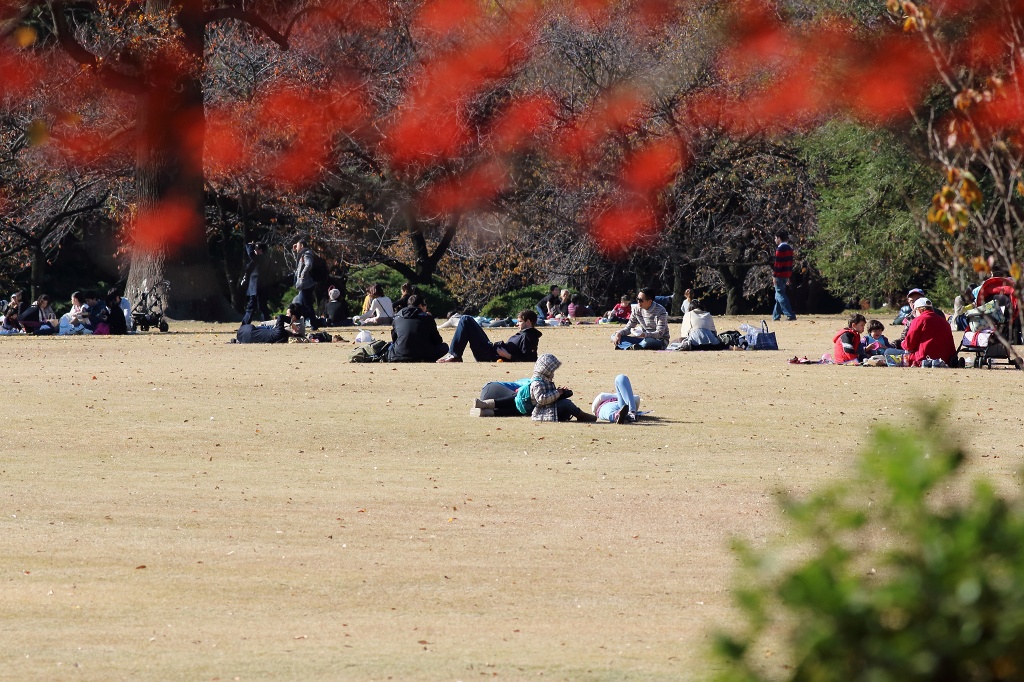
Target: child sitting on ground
848	347
875	342
621	311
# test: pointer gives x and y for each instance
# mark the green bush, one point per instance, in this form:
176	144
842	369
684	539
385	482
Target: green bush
439	298
510	304
896	578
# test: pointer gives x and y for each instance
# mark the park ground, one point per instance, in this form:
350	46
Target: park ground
175	507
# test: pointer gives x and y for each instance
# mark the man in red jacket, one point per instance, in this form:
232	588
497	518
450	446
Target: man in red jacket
929	336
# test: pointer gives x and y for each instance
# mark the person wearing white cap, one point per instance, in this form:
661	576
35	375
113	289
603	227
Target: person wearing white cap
908	312
929	336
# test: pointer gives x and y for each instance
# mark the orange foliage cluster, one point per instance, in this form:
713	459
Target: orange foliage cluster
775	77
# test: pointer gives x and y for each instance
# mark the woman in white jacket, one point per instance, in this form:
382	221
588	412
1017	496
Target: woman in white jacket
381	311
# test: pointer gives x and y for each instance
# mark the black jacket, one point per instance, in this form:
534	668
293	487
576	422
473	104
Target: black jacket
415	337
251	279
279	333
522	346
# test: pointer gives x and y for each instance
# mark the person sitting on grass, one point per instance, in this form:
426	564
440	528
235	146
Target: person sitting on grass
74	321
39	319
546	307
284	327
697	331
848	347
647	328
503	399
521	346
551	403
875	342
414	337
621	311
98	314
380	311
116	321
929	336
619	407
10	325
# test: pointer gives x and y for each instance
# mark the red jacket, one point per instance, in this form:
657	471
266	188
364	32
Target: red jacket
929	336
847	348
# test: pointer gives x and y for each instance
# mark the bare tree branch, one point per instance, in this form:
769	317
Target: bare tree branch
111	77
248	17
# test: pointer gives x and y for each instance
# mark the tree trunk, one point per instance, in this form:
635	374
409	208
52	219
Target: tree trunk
169	174
682	278
38	270
426	262
733	278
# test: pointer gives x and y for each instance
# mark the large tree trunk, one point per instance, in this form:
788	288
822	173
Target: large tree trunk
426	261
682	278
733	277
38	270
169	174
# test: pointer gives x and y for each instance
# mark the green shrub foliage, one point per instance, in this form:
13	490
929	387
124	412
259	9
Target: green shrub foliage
908	572
511	303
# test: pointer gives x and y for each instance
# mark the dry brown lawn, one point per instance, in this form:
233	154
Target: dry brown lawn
178	508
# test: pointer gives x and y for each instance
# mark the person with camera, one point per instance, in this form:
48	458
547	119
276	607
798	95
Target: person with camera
255	253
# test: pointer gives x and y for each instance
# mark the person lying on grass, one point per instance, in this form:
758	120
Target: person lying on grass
284	327
521	346
503	399
619	407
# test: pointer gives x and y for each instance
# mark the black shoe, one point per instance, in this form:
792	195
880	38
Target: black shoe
623	415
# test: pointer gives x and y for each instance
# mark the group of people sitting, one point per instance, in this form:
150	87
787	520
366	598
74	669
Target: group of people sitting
89	314
926	339
539	397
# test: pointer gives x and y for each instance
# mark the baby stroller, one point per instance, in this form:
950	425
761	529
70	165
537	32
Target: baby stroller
149	309
996	311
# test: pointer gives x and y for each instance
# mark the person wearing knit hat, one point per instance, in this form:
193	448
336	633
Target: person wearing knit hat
336	311
551	403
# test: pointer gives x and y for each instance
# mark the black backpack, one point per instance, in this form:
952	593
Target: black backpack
731	338
318	271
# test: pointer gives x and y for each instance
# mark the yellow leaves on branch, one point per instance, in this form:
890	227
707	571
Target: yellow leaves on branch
981	265
25	37
951	206
914	18
1016	271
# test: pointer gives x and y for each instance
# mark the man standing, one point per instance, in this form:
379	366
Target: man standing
254	303
521	346
647	328
782	270
414	337
304	281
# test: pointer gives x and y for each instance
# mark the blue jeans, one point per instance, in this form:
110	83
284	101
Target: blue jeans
627	342
541	313
469	332
624	391
782	306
